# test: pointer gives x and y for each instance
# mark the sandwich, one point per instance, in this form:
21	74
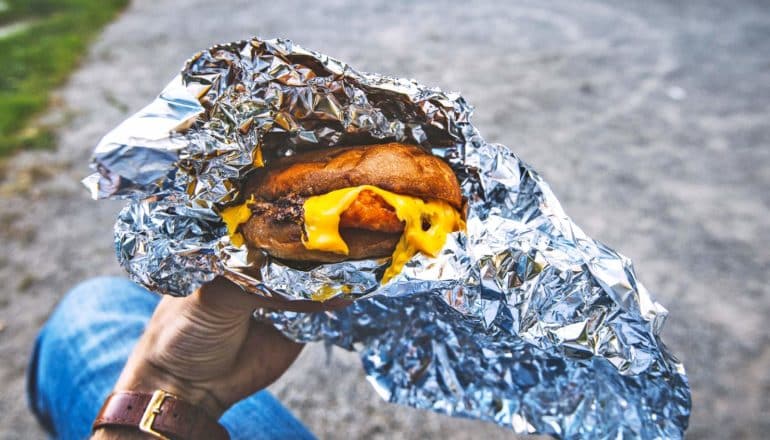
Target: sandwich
349	203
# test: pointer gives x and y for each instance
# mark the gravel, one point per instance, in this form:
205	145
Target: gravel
650	121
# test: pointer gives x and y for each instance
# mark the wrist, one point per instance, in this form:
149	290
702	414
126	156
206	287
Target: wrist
143	376
159	415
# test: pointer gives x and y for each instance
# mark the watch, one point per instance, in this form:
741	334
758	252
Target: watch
159	414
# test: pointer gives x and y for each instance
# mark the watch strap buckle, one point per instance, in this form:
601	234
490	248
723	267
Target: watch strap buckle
151	412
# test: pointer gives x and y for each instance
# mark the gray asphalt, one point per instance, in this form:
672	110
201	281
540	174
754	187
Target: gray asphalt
650	121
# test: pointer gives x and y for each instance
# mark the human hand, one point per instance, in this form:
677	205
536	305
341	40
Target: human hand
207	350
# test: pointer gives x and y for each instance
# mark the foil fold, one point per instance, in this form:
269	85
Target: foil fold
522	320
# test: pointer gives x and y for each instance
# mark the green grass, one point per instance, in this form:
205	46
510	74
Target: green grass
39	57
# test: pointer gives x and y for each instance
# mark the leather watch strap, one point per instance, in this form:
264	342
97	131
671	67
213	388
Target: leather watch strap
159	414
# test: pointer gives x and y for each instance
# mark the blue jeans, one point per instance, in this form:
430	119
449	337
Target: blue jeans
81	351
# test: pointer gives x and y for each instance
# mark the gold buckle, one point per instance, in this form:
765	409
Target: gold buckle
152	410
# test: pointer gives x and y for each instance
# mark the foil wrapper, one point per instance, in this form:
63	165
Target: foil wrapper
522	319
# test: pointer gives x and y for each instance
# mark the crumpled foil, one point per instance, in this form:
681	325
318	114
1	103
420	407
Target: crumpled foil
522	320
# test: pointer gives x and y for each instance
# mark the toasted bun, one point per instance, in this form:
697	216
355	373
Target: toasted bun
399	168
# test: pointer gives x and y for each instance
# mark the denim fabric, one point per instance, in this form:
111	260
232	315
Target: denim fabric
80	353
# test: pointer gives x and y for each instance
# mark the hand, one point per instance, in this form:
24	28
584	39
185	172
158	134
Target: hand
207	349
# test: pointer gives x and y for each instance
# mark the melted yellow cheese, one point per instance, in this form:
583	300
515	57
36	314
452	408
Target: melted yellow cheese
322	220
234	216
257	160
326	292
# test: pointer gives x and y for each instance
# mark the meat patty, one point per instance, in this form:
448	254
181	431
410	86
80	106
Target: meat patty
371	212
368	211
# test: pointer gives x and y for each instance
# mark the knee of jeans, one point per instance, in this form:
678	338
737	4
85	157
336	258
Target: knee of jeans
95	298
85	327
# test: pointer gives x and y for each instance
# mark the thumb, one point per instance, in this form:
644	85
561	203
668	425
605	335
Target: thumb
223	296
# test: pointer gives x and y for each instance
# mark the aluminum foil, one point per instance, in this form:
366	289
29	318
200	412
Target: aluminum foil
522	320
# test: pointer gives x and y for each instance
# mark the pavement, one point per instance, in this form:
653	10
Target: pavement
650	120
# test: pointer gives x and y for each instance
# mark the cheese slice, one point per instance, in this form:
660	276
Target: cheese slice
234	216
322	219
